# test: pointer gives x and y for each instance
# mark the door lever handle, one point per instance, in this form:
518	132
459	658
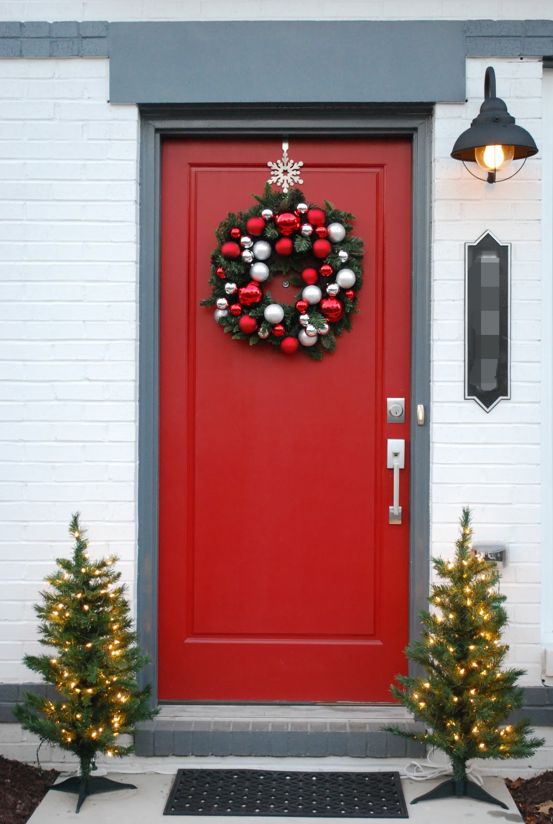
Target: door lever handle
396	462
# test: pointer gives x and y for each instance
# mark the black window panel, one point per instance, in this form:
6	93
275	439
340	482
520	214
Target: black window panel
487	322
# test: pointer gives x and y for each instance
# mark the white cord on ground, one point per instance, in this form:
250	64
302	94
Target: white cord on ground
429	769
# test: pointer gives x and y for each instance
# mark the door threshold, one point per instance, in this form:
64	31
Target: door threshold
292	713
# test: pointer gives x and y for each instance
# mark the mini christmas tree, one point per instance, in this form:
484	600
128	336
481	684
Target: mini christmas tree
85	620
465	697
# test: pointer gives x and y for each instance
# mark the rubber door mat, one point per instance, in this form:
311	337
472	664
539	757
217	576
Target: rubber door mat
288	794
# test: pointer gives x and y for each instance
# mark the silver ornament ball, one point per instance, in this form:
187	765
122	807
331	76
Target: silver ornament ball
263	333
307	229
332	289
246	242
312	294
305	339
304	320
324	329
247	256
259	271
230	288
267	214
302	208
311	330
343	255
220	313
222	303
336	232
345	278
262	250
273	313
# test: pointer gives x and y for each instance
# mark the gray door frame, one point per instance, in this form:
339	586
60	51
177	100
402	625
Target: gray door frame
306	120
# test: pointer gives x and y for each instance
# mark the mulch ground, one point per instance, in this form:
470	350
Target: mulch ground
22	788
534	797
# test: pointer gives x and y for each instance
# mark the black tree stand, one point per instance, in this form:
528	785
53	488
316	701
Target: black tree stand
85	785
460	787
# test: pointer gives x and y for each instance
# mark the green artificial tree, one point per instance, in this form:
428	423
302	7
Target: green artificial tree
93	661
465	696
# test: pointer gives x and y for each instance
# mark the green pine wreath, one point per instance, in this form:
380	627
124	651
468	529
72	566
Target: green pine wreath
310	246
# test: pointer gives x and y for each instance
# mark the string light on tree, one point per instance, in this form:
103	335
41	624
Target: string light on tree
469	695
85	617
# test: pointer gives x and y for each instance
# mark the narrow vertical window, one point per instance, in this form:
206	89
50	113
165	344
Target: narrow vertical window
487	321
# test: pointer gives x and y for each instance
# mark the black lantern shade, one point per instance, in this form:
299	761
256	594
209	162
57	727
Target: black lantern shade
493	126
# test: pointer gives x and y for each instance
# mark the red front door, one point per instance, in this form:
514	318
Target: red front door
280	577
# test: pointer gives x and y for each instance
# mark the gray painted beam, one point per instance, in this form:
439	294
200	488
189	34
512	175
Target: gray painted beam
326	62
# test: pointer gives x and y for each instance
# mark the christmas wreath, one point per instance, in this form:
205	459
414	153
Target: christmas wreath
312	248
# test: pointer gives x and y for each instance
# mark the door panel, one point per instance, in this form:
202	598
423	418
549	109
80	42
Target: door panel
280	576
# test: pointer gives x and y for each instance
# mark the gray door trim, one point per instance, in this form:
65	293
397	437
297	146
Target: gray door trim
249	120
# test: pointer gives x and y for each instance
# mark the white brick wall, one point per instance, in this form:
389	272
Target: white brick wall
273	9
491	462
68	251
68	326
68	338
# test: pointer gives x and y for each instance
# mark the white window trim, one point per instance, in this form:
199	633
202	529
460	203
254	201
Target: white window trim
547	362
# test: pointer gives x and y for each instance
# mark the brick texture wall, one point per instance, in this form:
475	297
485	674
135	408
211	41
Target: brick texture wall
490	461
68	330
68	251
68	247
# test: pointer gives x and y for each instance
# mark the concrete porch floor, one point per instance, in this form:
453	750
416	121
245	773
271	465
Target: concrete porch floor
145	804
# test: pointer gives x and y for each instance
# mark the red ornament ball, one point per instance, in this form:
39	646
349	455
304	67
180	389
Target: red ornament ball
309	276
230	249
301	306
235	309
289	345
332	309
287	223
278	330
284	246
250	294
220	272
321	248
255	226
350	294
235	232
316	217
247	324
321	231
326	270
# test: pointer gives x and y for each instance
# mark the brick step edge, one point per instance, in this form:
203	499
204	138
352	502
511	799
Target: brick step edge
259	738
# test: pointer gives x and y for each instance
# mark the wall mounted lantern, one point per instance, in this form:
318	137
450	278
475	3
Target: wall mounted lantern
494	139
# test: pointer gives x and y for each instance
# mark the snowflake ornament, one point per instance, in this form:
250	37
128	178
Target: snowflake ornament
285	172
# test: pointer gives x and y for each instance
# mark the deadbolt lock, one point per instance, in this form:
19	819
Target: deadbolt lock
395	408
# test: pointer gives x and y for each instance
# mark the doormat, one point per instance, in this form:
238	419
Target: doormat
287	794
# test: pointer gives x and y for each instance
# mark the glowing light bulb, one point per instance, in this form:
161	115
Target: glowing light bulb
492	158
